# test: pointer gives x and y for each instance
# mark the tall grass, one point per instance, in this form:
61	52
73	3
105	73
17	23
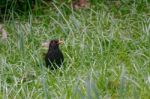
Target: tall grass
106	53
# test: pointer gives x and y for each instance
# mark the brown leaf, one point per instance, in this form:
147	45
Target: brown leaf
80	4
45	44
3	31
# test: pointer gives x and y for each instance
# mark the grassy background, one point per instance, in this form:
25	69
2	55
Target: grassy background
106	52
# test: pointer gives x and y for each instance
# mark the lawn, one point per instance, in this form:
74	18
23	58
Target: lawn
106	50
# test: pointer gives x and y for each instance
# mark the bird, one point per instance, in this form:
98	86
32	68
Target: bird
54	57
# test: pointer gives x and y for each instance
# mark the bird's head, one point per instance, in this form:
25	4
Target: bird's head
55	43
52	44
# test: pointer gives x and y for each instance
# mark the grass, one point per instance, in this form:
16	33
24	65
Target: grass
106	53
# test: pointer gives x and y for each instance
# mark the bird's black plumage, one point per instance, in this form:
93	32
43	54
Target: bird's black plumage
54	57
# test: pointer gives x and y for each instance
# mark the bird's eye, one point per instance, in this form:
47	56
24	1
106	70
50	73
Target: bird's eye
56	42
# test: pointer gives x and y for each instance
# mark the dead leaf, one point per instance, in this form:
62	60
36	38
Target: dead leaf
45	44
80	4
3	31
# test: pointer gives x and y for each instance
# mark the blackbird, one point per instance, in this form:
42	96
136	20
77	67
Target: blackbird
54	57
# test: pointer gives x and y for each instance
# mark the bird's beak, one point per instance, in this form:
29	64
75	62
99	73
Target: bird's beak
60	42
